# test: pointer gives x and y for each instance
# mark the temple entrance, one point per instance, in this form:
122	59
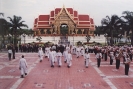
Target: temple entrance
64	31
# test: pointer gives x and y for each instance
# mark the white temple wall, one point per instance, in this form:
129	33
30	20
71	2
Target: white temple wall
56	39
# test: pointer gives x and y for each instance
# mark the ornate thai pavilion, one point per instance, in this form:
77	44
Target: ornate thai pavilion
63	21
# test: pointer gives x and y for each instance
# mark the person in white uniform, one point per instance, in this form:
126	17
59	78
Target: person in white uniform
47	52
69	59
65	54
51	58
23	66
9	53
59	55
78	52
73	50
40	54
54	54
82	51
86	57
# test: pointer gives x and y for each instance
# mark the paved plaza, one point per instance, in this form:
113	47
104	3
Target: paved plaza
42	76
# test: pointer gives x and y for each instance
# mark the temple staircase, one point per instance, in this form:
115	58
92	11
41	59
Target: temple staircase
64	40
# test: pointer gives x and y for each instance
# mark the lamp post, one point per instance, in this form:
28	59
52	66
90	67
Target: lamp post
73	37
54	36
105	35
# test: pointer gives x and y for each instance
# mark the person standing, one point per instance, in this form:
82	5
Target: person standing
69	59
47	52
131	50
40	54
86	57
98	57
78	51
13	52
129	53
51	58
82	51
59	55
111	57
54	54
105	54
65	54
127	63
9	53
124	55
117	59
23	66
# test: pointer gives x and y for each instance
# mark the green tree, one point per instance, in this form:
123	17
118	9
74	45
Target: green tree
16	24
111	24
2	14
3	29
128	18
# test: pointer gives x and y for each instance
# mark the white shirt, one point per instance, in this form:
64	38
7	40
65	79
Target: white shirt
86	56
69	56
22	62
40	52
9	51
99	55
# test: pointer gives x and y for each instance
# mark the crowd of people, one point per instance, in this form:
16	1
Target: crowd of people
113	53
55	52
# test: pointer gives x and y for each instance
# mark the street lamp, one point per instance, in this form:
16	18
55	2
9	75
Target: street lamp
54	36
73	37
105	35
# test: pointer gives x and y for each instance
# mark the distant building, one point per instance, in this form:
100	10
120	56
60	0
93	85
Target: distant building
63	22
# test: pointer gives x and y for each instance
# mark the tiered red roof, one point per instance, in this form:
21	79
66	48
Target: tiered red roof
45	21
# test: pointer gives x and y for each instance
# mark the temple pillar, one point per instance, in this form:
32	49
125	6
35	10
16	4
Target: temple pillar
88	31
72	27
55	28
45	30
35	33
69	29
82	30
58	29
39	32
51	30
76	31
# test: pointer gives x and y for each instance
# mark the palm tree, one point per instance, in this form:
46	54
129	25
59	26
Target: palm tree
3	28
2	14
111	24
128	18
15	24
98	31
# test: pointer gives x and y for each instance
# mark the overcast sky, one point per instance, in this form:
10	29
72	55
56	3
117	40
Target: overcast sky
97	9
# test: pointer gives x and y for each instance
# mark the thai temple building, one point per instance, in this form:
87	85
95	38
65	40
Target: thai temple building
65	25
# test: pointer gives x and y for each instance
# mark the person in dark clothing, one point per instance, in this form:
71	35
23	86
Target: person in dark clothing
9	53
13	52
127	63
98	57
105	54
117	59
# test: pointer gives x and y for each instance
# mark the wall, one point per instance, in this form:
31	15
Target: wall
56	39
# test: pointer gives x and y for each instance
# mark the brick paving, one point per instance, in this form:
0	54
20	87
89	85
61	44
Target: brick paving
42	76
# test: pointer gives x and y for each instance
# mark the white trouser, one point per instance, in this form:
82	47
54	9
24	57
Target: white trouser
23	70
87	62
